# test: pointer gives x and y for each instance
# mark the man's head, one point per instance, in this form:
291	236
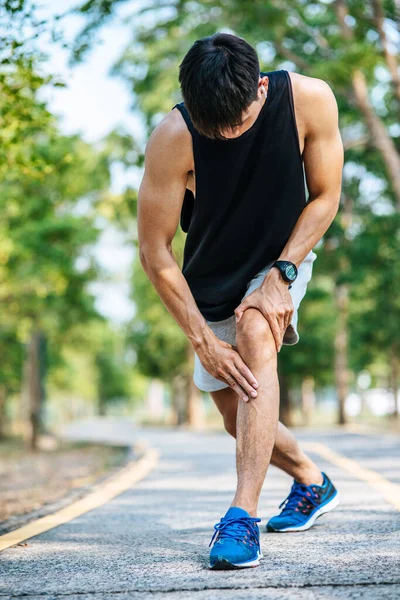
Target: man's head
221	85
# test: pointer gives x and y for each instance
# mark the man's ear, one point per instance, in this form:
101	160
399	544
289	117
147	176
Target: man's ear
264	82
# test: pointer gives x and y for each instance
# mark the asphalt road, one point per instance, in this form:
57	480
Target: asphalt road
152	541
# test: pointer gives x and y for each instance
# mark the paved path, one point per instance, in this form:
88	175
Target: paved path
152	541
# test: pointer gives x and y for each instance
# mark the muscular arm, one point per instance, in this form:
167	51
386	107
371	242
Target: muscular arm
161	193
323	163
159	205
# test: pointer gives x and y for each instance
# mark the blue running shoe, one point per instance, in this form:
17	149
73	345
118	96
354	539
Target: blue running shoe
236	541
303	506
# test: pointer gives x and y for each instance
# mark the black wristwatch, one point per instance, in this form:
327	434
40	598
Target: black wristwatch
287	269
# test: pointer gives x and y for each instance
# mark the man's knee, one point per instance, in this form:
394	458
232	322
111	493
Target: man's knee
254	337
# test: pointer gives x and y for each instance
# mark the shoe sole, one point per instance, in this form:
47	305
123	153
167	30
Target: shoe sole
321	511
225	565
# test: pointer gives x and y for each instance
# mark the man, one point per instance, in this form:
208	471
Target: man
235	150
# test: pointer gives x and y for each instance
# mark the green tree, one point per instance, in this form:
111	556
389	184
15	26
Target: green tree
45	263
376	305
347	43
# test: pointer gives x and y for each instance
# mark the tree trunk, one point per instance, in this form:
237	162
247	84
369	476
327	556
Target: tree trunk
307	399
379	135
173	406
179	399
3	398
341	349
285	405
35	387
195	413
102	407
391	61
394	365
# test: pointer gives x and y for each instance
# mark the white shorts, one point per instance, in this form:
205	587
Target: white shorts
226	329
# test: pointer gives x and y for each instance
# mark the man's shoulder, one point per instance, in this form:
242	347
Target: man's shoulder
171	138
310	88
173	128
314	99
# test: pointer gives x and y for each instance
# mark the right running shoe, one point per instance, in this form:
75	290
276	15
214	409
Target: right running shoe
236	541
303	506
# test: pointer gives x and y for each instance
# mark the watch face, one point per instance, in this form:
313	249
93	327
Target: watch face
290	272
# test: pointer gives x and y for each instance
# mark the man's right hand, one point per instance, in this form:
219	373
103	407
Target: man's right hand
223	361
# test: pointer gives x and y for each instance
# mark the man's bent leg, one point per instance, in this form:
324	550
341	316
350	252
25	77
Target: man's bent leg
312	493
257	419
286	455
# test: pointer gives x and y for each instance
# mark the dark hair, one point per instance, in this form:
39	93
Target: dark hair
219	79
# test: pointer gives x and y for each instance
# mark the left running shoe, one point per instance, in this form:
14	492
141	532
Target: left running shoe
303	506
236	541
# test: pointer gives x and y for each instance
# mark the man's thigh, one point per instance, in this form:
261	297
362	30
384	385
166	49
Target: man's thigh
226	329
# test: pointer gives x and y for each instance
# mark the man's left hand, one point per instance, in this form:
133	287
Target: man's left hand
274	301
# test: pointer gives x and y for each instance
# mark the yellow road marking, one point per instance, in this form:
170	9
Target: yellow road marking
390	491
103	493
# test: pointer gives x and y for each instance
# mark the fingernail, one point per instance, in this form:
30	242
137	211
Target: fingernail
255	384
254	394
245	399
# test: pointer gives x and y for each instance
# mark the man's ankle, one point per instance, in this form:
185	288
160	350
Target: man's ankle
310	477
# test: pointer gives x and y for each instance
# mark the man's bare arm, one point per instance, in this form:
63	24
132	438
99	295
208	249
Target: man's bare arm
323	162
159	205
161	193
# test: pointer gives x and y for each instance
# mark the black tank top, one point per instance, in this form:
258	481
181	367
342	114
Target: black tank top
250	191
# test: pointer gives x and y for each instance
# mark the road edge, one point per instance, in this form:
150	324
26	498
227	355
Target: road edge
389	490
128	476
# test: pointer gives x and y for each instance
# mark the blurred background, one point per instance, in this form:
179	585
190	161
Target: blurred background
82	331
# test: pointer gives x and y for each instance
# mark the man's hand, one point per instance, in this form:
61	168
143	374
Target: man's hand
274	302
223	362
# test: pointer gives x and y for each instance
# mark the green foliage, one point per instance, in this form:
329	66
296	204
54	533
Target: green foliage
54	189
159	343
316	328
98	13
44	238
112	379
314	39
375	295
51	189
